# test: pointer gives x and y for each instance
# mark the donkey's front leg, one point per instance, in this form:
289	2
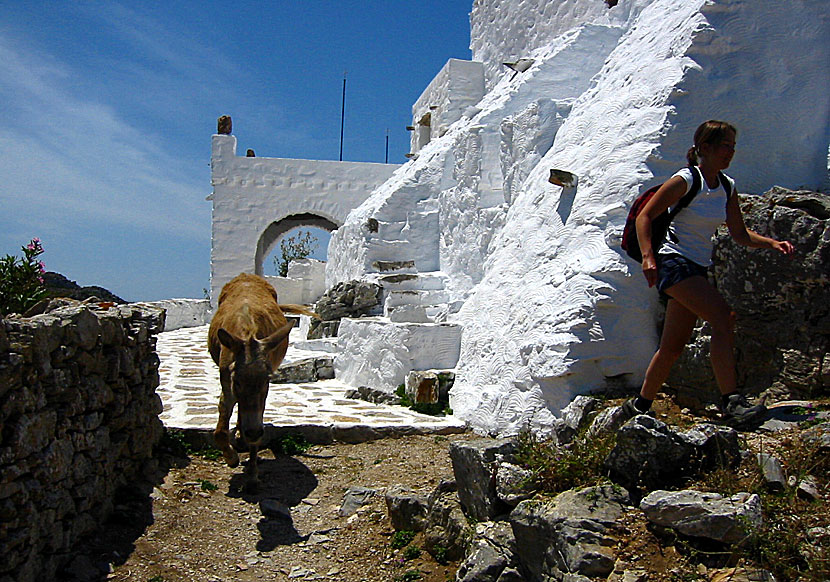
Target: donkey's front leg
222	435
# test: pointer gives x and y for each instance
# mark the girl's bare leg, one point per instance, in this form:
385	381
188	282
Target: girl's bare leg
700	298
677	328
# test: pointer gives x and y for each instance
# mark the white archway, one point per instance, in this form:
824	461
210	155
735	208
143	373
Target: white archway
257	200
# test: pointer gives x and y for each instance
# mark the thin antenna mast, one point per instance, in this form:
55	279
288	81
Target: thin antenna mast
342	116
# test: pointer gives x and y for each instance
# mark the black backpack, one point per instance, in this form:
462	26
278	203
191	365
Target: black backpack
660	225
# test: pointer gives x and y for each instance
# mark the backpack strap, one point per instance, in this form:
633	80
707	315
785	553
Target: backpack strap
697	181
727	186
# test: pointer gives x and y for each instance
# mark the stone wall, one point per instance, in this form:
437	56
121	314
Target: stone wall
78	419
782	331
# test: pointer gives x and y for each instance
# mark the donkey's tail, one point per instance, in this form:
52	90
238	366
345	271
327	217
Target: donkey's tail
298	309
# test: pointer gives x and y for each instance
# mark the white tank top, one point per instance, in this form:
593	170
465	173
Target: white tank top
690	233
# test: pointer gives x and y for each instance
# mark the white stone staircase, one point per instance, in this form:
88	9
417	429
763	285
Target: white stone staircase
412	334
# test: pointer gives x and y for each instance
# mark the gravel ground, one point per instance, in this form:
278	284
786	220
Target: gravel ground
200	525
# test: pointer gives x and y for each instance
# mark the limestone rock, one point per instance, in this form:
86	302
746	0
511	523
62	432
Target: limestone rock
571	535
447	529
492	556
355	498
474	464
705	515
772	472
514	484
648	454
407	509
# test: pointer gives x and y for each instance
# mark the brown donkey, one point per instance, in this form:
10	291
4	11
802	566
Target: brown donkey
248	338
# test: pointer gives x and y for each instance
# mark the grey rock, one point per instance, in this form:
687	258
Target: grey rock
575	416
715	446
349	299
492	552
407	509
570	535
514	484
772	472
474	464
447	529
808	489
704	515
354	499
648	454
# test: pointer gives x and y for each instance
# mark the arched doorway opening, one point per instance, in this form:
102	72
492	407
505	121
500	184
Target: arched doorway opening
270	238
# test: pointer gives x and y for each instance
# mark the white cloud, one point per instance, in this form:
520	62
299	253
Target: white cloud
71	158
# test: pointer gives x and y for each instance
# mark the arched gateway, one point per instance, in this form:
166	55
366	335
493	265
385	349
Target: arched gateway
257	200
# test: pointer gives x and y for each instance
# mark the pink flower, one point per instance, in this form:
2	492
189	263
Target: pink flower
41	266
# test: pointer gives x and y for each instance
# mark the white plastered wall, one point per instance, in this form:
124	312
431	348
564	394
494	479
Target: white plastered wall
551	307
255	200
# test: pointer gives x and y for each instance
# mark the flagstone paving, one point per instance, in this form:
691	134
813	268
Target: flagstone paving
189	389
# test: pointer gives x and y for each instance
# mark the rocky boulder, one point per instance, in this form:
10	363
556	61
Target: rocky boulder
785	298
571	535
475	465
346	299
705	515
650	454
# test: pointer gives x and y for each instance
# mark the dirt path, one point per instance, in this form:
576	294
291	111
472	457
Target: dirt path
205	528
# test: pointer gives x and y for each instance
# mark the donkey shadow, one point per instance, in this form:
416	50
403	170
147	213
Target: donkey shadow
283	483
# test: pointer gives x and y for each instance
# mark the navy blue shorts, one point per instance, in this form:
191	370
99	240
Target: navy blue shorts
672	269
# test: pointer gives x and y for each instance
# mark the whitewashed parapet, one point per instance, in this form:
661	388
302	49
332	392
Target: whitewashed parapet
377	353
181	313
459	85
252	193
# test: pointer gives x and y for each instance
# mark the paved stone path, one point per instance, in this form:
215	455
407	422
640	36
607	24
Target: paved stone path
189	389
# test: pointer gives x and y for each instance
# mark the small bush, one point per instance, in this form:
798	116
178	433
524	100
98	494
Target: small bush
21	280
291	444
206	485
440	555
558	469
297	246
402	538
411	553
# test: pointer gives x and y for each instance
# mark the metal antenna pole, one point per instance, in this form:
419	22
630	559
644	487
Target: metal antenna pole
342	116
386	161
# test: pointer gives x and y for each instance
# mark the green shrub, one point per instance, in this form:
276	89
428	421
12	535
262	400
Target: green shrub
291	444
402	538
557	469
21	280
298	246
411	553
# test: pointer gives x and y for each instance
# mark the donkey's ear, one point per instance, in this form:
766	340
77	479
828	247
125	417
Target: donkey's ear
229	341
276	338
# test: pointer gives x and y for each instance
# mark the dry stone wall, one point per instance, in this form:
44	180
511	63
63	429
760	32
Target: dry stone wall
78	419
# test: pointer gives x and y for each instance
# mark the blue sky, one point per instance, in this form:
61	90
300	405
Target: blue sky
107	111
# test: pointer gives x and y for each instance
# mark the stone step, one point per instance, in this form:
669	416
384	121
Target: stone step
391	267
422	297
433	280
417	306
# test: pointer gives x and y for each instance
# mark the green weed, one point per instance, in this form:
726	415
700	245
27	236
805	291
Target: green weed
402	538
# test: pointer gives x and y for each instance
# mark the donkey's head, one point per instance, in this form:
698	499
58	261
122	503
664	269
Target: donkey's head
250	371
